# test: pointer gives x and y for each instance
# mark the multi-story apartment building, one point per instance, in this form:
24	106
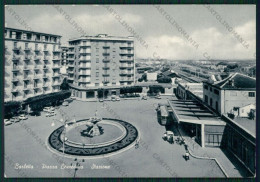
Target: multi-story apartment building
64	55
32	64
100	61
223	95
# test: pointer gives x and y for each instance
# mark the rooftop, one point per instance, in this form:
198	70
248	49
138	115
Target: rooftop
235	81
193	112
103	37
27	31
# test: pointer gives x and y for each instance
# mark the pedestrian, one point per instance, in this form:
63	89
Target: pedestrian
187	156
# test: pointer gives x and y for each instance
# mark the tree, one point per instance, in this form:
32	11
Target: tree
11	108
64	85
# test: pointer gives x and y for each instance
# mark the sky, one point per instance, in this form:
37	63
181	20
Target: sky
162	38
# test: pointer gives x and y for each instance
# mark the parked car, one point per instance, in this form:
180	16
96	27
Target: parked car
35	113
158	97
48	109
49	114
73	98
7	122
113	98
144	97
101	100
23	117
15	119
117	98
65	103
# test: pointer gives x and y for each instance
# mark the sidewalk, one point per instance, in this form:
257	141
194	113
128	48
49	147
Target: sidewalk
213	152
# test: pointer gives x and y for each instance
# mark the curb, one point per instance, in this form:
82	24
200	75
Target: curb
205	158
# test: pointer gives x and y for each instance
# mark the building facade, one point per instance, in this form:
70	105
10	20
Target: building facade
32	64
64	55
100	61
236	90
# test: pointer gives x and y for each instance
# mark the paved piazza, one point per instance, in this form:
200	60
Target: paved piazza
28	153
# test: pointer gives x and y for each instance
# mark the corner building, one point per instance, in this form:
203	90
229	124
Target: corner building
100	61
32	64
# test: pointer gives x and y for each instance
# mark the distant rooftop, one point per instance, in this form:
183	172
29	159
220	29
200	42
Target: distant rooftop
235	81
103	37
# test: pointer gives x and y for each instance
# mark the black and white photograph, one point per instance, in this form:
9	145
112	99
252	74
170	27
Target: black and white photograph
124	91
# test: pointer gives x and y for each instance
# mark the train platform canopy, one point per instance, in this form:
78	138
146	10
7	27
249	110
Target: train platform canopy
189	111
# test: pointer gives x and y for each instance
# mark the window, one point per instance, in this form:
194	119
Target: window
251	94
97	74
211	101
206	87
206	98
97	68
96	84
216	92
210	89
26	45
97	60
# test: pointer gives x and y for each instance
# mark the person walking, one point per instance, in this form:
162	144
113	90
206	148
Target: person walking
187	156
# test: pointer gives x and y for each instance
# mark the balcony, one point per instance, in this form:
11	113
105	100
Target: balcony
126	66
15	80
26	78
45	76
45	67
70	78
56	58
26	68
106	46
56	67
36	77
27	57
106	60
37	57
85	66
28	49
70	58
70	71
37	49
71	65
105	81
105	74
106	68
36	87
85	72
70	52
56	51
16	57
15	69
36	67
128	46
106	53
55	75
84	60
46	58
27	88
56	83
85	45
15	90
46	51
45	85
126	53
84	80
123	73
17	48
84	52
